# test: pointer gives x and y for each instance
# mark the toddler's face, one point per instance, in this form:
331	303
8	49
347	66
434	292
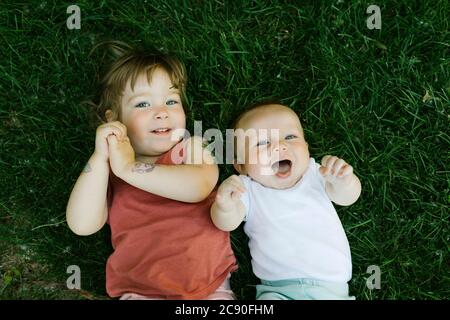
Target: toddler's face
152	113
276	153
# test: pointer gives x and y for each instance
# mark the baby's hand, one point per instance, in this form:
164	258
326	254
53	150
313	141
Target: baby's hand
121	154
229	193
103	132
335	170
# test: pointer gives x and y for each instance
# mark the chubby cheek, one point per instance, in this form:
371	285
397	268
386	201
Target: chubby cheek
178	118
137	127
256	157
303	156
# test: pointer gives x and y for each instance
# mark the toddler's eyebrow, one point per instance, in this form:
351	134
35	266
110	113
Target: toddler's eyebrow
136	95
171	90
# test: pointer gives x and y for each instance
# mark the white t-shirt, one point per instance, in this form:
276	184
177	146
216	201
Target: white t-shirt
295	232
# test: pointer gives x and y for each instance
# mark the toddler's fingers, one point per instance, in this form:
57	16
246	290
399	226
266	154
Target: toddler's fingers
120	128
106	130
112	140
125	140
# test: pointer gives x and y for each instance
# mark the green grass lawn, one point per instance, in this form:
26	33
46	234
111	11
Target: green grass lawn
377	98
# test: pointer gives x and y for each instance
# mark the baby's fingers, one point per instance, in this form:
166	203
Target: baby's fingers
328	163
236	182
346	170
229	187
237	186
337	167
236	195
226	200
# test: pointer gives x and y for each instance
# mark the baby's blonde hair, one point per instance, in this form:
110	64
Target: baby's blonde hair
129	63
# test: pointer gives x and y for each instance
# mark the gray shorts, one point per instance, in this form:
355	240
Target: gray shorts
302	289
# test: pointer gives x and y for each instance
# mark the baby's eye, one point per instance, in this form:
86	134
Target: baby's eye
290	136
171	102
262	143
142	105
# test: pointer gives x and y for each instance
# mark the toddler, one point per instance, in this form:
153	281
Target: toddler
142	180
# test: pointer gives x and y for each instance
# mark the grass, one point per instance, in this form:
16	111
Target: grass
377	98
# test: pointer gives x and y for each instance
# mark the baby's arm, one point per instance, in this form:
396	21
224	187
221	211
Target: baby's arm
192	181
86	210
342	185
228	211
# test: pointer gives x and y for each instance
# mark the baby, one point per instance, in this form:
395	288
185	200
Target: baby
142	179
298	246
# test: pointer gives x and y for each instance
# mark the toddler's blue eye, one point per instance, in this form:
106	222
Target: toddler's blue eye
290	136
262	143
171	102
142	105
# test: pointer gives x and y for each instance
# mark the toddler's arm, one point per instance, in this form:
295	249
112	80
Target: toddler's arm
86	211
342	185
192	181
228	211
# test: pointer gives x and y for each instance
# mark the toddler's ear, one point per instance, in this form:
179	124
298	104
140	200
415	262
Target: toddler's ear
110	115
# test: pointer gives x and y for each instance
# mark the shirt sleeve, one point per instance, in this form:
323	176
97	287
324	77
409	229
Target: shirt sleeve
316	167
245	198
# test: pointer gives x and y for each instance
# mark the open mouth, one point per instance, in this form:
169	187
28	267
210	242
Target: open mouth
161	131
282	168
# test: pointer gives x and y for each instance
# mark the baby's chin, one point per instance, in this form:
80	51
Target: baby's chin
274	182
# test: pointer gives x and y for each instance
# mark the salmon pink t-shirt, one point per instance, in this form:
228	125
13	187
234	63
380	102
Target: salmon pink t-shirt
164	248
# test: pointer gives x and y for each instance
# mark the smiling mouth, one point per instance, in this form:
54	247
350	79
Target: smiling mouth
161	131
282	168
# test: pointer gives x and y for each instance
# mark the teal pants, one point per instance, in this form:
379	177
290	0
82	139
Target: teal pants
302	289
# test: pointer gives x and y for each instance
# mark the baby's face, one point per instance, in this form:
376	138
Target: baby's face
152	113
275	150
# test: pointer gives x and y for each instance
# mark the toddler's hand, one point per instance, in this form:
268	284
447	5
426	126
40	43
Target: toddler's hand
335	170
121	154
103	132
229	193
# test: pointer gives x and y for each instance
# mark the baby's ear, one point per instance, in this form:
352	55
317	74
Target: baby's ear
110	115
238	167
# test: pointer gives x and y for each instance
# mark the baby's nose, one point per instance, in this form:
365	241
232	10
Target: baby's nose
280	147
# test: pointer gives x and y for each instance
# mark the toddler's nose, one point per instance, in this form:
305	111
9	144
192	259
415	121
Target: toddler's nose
161	114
